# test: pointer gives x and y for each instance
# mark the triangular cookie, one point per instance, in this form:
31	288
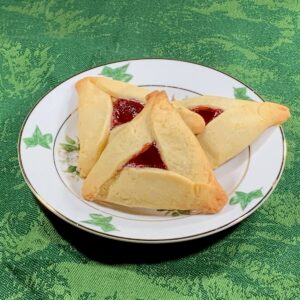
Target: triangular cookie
232	124
156	162
104	105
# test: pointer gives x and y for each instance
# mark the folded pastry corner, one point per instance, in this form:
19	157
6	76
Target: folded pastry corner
94	119
274	113
119	89
123	90
232	125
191	119
156	162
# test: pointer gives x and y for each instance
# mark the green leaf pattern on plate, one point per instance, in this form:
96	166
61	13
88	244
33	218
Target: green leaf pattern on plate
245	198
241	93
117	73
69	153
38	139
101	221
70	145
73	170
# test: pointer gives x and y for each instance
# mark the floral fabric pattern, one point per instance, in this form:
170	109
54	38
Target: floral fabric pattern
44	42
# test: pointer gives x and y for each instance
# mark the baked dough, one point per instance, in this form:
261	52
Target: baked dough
237	127
123	90
187	184
95	108
94	119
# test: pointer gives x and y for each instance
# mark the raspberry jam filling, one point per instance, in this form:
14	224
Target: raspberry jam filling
124	111
207	113
149	157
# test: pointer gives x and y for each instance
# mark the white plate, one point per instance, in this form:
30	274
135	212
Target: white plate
248	178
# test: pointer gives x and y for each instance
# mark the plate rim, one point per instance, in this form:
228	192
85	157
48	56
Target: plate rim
135	240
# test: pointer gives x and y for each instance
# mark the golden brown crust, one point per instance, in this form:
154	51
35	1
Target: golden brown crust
188	183
191	119
176	142
120	89
128	141
95	113
164	190
123	90
237	127
94	119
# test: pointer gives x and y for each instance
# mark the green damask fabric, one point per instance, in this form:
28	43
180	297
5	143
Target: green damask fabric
44	42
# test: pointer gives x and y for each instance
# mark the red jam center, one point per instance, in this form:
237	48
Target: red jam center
124	111
149	157
207	113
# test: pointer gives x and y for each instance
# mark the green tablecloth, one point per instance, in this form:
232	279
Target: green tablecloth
45	42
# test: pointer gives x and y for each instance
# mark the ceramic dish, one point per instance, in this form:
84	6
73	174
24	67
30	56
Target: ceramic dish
48	152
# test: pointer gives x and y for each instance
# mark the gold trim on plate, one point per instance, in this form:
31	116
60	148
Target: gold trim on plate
149	241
